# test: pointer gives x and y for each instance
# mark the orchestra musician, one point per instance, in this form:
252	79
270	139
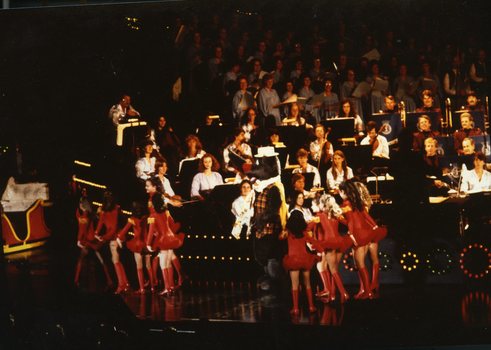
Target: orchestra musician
429	104
122	109
347	110
477	179
467	130
424	131
380	146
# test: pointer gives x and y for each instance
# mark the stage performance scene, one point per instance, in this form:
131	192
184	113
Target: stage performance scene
245	174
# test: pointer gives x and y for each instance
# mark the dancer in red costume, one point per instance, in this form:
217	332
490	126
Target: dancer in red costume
298	259
137	222
160	233
108	218
334	244
86	240
365	232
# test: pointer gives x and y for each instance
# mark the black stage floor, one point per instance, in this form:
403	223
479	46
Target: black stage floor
47	312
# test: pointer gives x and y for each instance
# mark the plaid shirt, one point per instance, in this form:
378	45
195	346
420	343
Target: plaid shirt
260	207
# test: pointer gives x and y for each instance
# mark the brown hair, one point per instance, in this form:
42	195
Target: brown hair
215	165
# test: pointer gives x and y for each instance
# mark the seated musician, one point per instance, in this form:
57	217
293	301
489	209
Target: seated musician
477	179
169	195
239	147
346	110
305	167
338	173
207	178
192	149
298	184
433	169
145	166
321	149
122	110
295	118
467	129
380	146
390	105
473	103
424	131
429	104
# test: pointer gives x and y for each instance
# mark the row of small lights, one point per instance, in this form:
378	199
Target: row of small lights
214	258
410	261
479	248
212	237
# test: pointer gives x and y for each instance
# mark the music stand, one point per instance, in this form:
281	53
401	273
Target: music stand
388	125
340	128
189	168
359	158
294	137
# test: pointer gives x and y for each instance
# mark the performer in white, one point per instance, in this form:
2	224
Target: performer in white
243	209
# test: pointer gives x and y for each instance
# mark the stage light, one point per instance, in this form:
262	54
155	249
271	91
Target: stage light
439	261
409	261
221	237
89	183
196	236
348	262
79	162
385	261
205	236
475	261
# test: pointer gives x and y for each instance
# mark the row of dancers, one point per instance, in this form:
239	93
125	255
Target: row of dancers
322	235
155	237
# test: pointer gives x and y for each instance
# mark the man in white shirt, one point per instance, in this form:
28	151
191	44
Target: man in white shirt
122	109
378	142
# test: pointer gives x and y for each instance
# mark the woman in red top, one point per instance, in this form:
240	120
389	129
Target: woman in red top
108	218
365	233
161	234
86	241
298	259
334	245
137	222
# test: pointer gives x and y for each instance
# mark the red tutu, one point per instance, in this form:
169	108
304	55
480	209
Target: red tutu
364	228
170	241
329	237
298	258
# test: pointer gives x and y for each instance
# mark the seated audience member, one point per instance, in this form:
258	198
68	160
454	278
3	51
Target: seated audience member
467	130
433	168
242	101
380	146
338	173
207	178
145	166
477	179
424	131
122	110
305	167
250	126
329	104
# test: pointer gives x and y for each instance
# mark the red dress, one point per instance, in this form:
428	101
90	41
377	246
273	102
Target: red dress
363	227
86	230
328	234
298	258
110	220
160	230
137	243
